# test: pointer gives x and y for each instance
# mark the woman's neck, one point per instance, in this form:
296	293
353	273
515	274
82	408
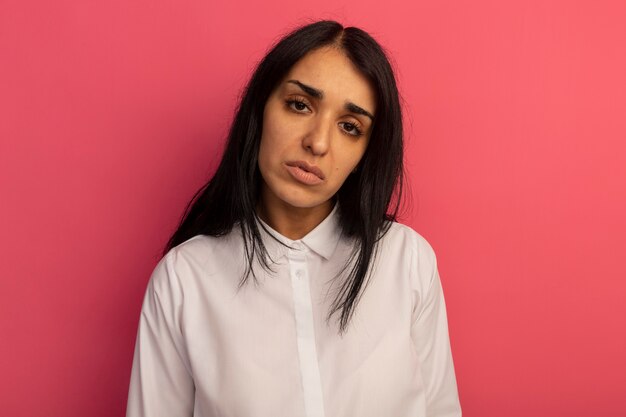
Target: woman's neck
292	222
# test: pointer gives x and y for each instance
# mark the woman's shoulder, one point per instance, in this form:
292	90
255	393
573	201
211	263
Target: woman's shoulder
412	246
198	256
399	233
201	248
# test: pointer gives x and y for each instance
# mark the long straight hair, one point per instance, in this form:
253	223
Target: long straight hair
366	209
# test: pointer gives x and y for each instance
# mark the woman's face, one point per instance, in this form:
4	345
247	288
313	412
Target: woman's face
316	127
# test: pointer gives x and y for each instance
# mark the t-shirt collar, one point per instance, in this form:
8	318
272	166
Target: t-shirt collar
322	239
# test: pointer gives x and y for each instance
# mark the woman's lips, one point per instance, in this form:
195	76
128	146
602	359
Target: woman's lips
305	173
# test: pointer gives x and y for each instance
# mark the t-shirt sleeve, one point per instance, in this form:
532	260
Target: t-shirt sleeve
429	332
161	382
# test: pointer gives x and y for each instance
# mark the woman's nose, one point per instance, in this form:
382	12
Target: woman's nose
317	139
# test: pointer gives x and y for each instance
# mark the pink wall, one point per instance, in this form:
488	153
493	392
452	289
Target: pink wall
112	114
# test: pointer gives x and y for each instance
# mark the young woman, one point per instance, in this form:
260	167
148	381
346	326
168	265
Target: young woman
288	289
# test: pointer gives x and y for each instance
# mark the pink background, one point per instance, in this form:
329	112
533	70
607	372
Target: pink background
113	113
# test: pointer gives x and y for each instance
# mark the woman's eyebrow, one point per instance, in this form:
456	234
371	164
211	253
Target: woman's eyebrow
356	109
317	93
308	89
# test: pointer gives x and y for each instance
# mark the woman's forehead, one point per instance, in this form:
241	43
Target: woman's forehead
331	73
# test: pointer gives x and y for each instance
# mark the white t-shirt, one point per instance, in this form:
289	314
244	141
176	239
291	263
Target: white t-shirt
205	349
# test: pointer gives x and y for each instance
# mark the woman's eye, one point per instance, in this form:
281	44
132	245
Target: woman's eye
297	105
351	129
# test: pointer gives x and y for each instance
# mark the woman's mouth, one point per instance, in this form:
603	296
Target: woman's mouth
305	173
